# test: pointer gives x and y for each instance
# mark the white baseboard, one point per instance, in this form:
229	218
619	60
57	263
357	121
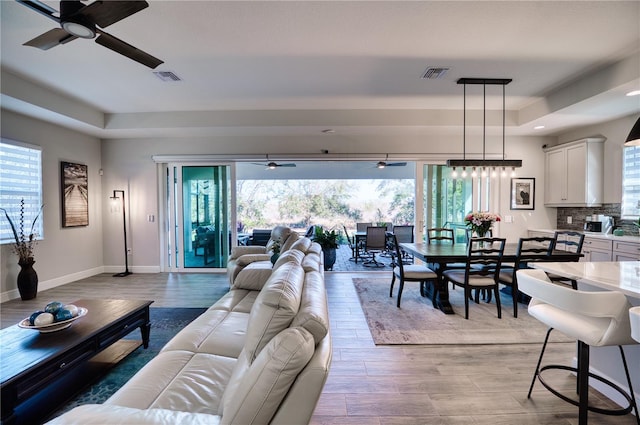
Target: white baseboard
52	283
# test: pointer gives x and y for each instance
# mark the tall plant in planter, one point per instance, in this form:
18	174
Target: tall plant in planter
328	240
23	247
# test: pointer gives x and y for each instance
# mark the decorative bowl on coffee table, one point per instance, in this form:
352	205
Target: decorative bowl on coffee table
55	326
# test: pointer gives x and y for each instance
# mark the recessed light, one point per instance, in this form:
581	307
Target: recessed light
538	127
634	93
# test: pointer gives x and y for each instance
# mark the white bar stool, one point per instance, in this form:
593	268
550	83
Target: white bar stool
634	317
595	319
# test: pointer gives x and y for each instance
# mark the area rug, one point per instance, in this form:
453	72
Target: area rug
417	322
165	323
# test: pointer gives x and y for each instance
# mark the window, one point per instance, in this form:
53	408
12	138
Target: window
631	183
20	178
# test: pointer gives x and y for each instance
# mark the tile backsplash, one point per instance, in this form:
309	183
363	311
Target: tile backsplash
578	215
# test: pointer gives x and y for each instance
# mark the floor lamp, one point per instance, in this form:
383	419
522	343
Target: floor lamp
114	199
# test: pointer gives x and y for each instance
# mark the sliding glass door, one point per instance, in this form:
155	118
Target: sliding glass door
200	216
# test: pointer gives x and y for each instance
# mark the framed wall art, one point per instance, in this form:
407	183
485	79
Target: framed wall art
75	194
523	193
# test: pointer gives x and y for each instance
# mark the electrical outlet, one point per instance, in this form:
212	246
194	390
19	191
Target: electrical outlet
569	220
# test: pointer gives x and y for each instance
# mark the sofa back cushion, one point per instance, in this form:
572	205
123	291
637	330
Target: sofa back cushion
255	391
275	306
302	244
291	256
313	314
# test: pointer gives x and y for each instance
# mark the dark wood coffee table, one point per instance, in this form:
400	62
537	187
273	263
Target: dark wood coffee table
38	371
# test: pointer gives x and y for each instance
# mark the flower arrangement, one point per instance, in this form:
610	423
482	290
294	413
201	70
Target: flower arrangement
24	242
481	222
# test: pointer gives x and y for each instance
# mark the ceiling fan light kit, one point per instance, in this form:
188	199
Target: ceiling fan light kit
79	21
483	164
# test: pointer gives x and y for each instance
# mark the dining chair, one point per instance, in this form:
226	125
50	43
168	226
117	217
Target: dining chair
351	241
529	250
375	243
404	234
439	235
593	319
410	273
567	240
362	227
482	269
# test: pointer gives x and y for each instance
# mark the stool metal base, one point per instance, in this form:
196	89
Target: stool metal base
583	376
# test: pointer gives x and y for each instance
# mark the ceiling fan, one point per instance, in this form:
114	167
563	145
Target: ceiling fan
384	164
77	20
273	165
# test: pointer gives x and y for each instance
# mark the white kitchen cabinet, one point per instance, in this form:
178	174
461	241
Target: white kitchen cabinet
626	251
596	249
574	174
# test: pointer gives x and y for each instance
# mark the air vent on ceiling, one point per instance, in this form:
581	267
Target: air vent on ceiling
167	76
434	73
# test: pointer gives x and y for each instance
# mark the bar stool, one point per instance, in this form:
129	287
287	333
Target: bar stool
595	319
634	317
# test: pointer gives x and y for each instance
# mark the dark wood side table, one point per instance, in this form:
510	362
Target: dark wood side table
40	371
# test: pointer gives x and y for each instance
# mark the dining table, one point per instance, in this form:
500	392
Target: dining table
440	257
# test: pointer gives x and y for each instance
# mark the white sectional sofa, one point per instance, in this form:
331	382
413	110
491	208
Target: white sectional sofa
260	355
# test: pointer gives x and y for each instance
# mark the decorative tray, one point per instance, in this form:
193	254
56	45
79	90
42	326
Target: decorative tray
55	326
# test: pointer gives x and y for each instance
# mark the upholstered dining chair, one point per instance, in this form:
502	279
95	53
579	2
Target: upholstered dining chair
375	243
481	271
529	250
594	319
410	273
567	240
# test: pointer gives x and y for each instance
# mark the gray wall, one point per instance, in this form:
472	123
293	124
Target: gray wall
65	254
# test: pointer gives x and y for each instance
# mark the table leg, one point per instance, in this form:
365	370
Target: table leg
145	329
441	299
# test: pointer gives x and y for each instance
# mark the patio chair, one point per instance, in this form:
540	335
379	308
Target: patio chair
375	243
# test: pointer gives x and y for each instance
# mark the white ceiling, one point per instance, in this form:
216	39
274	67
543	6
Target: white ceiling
297	67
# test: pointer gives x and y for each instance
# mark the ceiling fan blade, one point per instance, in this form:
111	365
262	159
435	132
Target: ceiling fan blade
41	8
105	13
396	164
50	39
126	49
286	165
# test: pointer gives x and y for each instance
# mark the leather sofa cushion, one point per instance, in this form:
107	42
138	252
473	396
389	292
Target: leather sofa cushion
291	256
313	314
213	332
240	300
275	307
100	414
178	380
315	248
311	262
301	244
254	276
254	394
241	250
252	258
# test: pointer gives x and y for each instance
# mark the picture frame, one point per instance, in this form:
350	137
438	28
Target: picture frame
523	193
74	193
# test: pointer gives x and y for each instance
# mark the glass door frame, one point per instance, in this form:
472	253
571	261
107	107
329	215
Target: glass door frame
172	219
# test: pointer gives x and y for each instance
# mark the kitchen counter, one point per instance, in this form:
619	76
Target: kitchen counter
610	237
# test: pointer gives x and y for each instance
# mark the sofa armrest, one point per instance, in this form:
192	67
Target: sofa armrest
99	414
241	250
245	260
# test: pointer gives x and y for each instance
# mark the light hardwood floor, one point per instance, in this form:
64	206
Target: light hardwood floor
369	384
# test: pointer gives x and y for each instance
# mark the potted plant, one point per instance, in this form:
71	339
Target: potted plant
328	240
23	247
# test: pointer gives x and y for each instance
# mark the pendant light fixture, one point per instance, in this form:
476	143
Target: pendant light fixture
634	137
483	164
